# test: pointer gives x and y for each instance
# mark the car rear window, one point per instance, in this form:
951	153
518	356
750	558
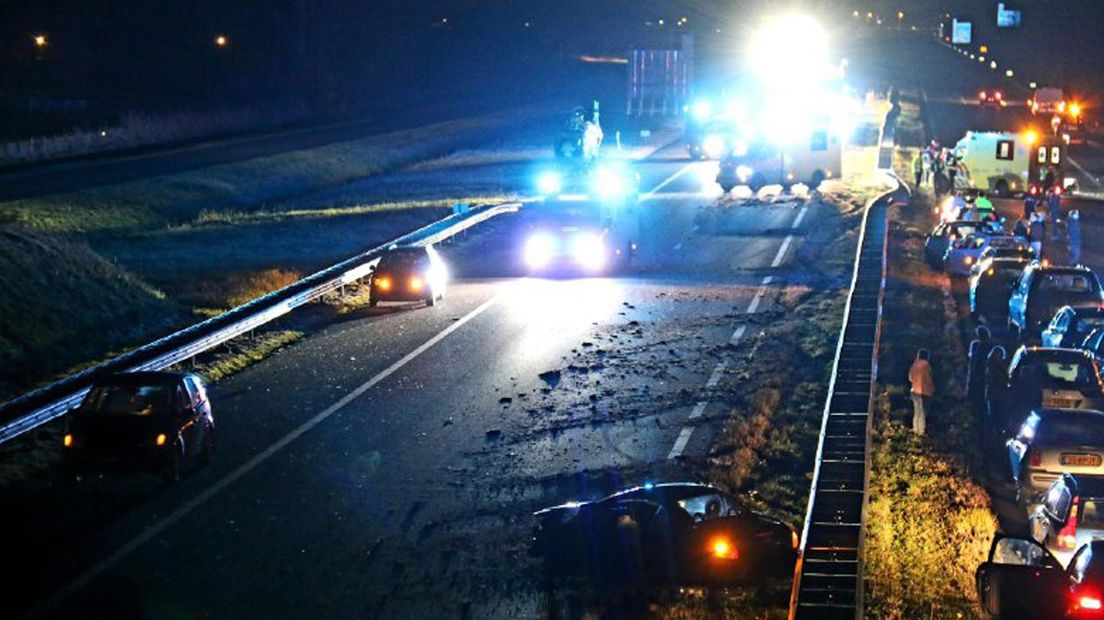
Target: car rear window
1091	514
1066	283
1084	430
137	400
403	260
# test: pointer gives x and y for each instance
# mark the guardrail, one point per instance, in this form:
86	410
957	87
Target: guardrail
828	576
42	405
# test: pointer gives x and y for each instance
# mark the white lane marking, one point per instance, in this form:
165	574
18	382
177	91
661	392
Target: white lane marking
718	371
172	518
789	238
715	378
1092	178
671	179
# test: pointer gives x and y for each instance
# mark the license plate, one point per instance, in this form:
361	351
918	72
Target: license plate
1059	403
1081	460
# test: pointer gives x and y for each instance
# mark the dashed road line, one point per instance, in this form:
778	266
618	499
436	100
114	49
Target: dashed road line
687	431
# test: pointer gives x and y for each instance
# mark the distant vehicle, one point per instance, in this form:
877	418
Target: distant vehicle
945	233
156	420
588	237
1071	325
991	283
1024	581
1042	290
993	161
964	253
712	139
678	534
411	273
811	161
1052	442
1048	101
992	98
1072	513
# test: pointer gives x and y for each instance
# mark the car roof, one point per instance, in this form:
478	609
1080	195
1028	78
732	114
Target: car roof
1056	352
1070	269
1056	414
667	489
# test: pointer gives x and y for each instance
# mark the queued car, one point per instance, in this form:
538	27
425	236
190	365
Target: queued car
1052	442
1071	325
945	233
991	98
1026	254
1049	377
1043	289
412	273
153	420
963	254
1023	581
991	283
677	534
1094	343
1071	515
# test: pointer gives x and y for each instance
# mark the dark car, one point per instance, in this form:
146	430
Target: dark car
1046	377
941	237
1071	325
1041	290
991	286
1023	581
1072	513
157	420
679	534
414	273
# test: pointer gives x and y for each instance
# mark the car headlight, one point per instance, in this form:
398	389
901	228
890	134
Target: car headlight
539	250
383	284
416	284
549	183
701	110
744	173
612	182
589	250
713	146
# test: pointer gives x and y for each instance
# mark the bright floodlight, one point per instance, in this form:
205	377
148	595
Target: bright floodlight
549	183
713	146
589	250
789	49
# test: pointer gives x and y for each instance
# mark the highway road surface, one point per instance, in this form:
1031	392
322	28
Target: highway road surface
387	466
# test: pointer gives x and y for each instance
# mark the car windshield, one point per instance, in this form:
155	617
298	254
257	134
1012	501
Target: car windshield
1082	430
403	260
707	506
128	400
1062	375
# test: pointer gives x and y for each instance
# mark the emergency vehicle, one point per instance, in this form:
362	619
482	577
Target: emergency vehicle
810	161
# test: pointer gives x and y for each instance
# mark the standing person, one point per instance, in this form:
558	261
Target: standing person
1073	231
984	207
1030	201
951	164
923	388
938	178
1054	208
925	163
1020	229
1036	232
918	168
996	379
980	348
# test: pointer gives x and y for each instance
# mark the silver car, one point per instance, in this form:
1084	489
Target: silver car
1052	442
1071	515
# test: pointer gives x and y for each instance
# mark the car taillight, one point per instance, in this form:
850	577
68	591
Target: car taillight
68	441
998	95
721	547
1035	458
1067	536
1087	602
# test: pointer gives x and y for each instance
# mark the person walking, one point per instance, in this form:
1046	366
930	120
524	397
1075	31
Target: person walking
918	168
923	388
1036	232
979	351
950	162
1073	231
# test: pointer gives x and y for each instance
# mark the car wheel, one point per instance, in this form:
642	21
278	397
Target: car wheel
174	465
372	303
756	182
818	178
431	299
727	187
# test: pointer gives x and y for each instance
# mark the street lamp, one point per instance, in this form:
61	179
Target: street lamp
221	41
40	41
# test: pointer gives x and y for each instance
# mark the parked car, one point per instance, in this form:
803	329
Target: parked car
1042	289
1052	442
1071	515
413	273
156	420
679	534
991	285
1071	325
1023	581
963	254
1046	377
941	237
1023	253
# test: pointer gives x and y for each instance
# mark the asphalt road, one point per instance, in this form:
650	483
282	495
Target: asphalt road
387	466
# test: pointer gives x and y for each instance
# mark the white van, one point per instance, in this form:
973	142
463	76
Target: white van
993	161
1048	101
